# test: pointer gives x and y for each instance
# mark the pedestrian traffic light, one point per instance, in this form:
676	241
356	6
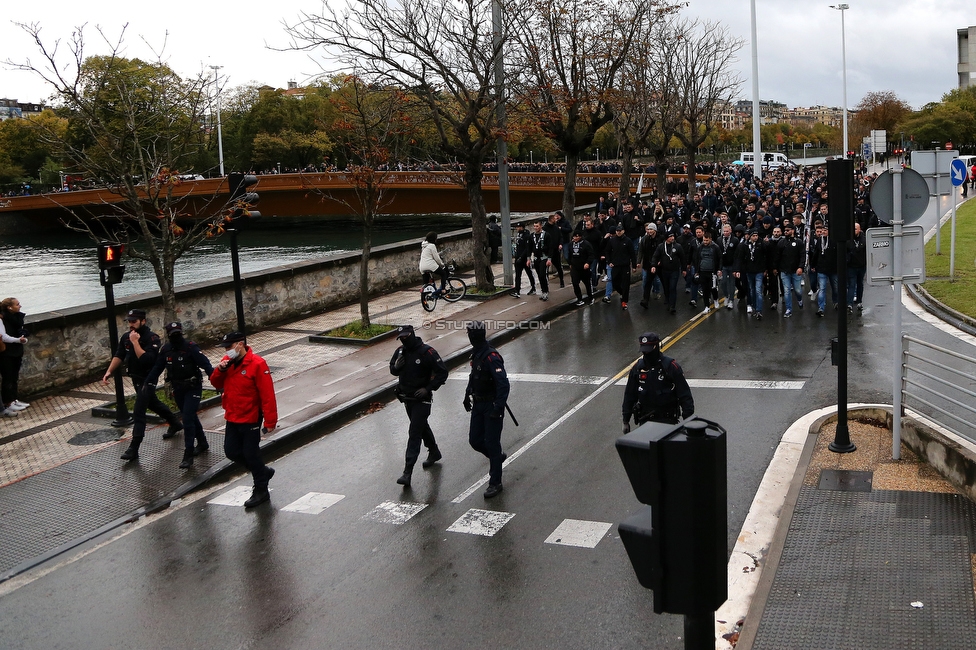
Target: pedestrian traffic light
678	545
241	200
110	263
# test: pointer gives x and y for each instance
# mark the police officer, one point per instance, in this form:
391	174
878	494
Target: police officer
420	371
248	397
184	364
138	350
485	398
656	388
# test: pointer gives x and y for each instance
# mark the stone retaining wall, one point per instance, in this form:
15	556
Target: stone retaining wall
71	346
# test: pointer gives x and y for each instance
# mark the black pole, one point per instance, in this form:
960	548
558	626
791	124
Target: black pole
122	417
235	263
700	631
840	198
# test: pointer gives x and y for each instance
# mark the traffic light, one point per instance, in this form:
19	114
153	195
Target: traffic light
241	199
110	264
678	545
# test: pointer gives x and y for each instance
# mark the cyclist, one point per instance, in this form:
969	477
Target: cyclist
430	261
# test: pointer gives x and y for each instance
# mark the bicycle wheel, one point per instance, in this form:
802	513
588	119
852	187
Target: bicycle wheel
428	297
456	289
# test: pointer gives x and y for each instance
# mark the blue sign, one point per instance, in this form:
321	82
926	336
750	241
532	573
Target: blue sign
958	172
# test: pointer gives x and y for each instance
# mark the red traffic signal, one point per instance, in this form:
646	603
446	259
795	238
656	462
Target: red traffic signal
109	255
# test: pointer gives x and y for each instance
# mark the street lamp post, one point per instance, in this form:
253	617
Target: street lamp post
279	168
598	154
843	49
220	138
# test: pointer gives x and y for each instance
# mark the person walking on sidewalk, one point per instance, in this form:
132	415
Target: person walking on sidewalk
657	390
249	397
621	261
521	254
541	248
184	364
581	256
138	350
14	336
420	372
485	398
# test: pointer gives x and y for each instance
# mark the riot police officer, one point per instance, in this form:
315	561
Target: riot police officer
420	371
184	364
656	388
137	349
485	398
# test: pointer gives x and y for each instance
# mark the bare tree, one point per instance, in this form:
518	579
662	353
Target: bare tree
570	57
134	128
705	81
644	103
442	52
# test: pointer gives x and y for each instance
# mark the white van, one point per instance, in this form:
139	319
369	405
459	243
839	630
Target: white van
778	160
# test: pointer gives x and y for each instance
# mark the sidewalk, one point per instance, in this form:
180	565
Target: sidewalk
61	479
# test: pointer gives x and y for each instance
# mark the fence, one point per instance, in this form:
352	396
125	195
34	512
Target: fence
934	381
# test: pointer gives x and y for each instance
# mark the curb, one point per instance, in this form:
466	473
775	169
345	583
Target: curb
941	311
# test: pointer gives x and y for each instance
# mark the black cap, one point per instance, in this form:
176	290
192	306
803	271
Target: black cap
136	314
620	227
404	330
649	341
175	326
231	338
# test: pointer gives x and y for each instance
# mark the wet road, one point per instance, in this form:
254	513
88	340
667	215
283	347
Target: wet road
376	566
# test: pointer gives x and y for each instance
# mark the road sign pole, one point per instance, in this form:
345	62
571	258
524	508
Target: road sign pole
896	225
952	239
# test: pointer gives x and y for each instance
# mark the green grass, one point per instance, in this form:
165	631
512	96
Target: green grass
959	294
167	399
355	330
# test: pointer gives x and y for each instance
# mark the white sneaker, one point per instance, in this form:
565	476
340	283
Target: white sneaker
715	304
729	304
22	405
705	310
9	413
16	406
812	292
748	309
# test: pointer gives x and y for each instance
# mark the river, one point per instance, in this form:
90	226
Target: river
54	271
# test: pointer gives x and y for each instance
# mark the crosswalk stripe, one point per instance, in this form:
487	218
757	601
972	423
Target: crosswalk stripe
233	497
481	522
394	512
575	532
314	503
593	380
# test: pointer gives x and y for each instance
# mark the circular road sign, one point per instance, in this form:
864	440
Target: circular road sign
958	172
914	196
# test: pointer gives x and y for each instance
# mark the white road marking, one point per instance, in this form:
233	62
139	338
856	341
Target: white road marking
462	375
511	458
282	390
481	522
575	532
746	383
290	413
394	512
499	313
232	497
313	503
355	372
324	399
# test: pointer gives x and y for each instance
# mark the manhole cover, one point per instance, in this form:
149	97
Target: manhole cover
96	437
845	480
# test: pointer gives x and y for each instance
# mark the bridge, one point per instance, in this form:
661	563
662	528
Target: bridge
323	194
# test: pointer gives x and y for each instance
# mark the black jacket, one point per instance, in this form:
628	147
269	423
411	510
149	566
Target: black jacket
668	258
182	363
657	393
139	366
620	252
417	366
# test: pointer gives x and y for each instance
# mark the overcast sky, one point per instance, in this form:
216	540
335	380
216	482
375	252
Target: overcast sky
906	46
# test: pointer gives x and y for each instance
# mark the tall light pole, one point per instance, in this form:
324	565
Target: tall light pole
843	55
220	137
756	141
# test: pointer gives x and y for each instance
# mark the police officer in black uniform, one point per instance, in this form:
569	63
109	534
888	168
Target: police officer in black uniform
420	371
184	364
138	350
485	398
656	388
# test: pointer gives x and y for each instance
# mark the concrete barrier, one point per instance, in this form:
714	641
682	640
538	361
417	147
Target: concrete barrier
71	347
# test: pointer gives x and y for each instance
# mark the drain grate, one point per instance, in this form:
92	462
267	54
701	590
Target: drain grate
96	437
845	480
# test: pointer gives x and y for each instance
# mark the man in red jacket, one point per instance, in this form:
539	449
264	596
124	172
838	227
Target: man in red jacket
248	398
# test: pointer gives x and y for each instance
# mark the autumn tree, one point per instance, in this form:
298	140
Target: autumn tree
371	125
442	53
133	127
705	80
